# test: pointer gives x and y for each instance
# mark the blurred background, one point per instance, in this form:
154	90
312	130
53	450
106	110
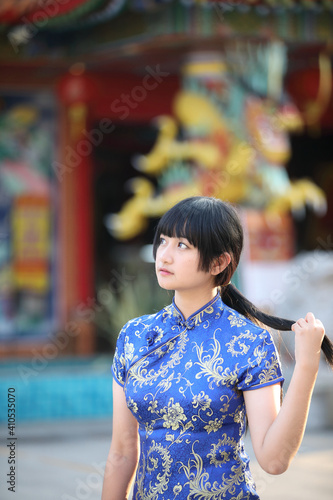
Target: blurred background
110	112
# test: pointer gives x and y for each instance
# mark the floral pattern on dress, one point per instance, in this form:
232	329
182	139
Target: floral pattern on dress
185	390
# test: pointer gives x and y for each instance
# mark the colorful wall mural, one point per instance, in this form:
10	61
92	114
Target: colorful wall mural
27	215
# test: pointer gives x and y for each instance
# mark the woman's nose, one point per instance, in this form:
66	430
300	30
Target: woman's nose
166	254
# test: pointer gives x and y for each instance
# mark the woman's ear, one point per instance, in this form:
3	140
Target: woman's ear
220	264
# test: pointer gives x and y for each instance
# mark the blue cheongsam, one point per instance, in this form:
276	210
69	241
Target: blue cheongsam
184	383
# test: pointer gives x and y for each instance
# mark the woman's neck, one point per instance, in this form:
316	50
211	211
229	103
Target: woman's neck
189	303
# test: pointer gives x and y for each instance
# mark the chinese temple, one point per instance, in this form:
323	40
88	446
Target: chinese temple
113	110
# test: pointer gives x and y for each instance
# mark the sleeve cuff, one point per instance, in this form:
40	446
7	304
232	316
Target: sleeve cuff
115	378
265	384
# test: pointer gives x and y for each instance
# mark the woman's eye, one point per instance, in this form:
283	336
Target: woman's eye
162	240
182	245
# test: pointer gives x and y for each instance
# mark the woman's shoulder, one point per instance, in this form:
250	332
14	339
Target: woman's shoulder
242	337
236	320
146	321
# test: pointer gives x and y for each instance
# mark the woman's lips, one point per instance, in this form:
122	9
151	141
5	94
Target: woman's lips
164	272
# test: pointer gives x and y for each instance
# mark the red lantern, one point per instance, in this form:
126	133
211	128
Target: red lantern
76	86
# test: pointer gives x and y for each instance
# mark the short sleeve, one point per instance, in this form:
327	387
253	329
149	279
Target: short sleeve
119	360
262	366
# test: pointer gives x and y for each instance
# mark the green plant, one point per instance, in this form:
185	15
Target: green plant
137	297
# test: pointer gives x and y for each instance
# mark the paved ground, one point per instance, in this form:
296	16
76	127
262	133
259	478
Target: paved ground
65	460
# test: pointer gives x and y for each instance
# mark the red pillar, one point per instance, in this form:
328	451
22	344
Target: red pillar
75	174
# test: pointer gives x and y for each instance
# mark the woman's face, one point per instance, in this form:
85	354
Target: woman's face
177	266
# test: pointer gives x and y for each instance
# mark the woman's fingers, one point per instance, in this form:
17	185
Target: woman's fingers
310	318
309	334
308	321
300	323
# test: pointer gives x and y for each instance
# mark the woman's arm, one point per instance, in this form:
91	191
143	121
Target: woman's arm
124	451
277	433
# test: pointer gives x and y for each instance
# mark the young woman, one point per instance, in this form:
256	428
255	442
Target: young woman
189	378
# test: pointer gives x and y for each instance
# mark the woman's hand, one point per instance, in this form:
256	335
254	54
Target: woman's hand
309	334
278	432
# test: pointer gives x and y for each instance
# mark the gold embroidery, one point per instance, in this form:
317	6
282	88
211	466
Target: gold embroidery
212	365
132	405
151	464
240	340
214	425
199	484
201	400
177	489
173	415
271	371
139	373
236	321
217	456
184	395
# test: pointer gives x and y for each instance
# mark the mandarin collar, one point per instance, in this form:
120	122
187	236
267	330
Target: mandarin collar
199	316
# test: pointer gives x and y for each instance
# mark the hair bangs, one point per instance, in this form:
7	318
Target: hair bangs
176	223
187	220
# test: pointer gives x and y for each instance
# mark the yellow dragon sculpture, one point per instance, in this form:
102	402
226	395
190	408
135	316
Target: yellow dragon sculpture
246	168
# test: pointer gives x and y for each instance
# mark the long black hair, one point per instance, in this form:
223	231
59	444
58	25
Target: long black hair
214	228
